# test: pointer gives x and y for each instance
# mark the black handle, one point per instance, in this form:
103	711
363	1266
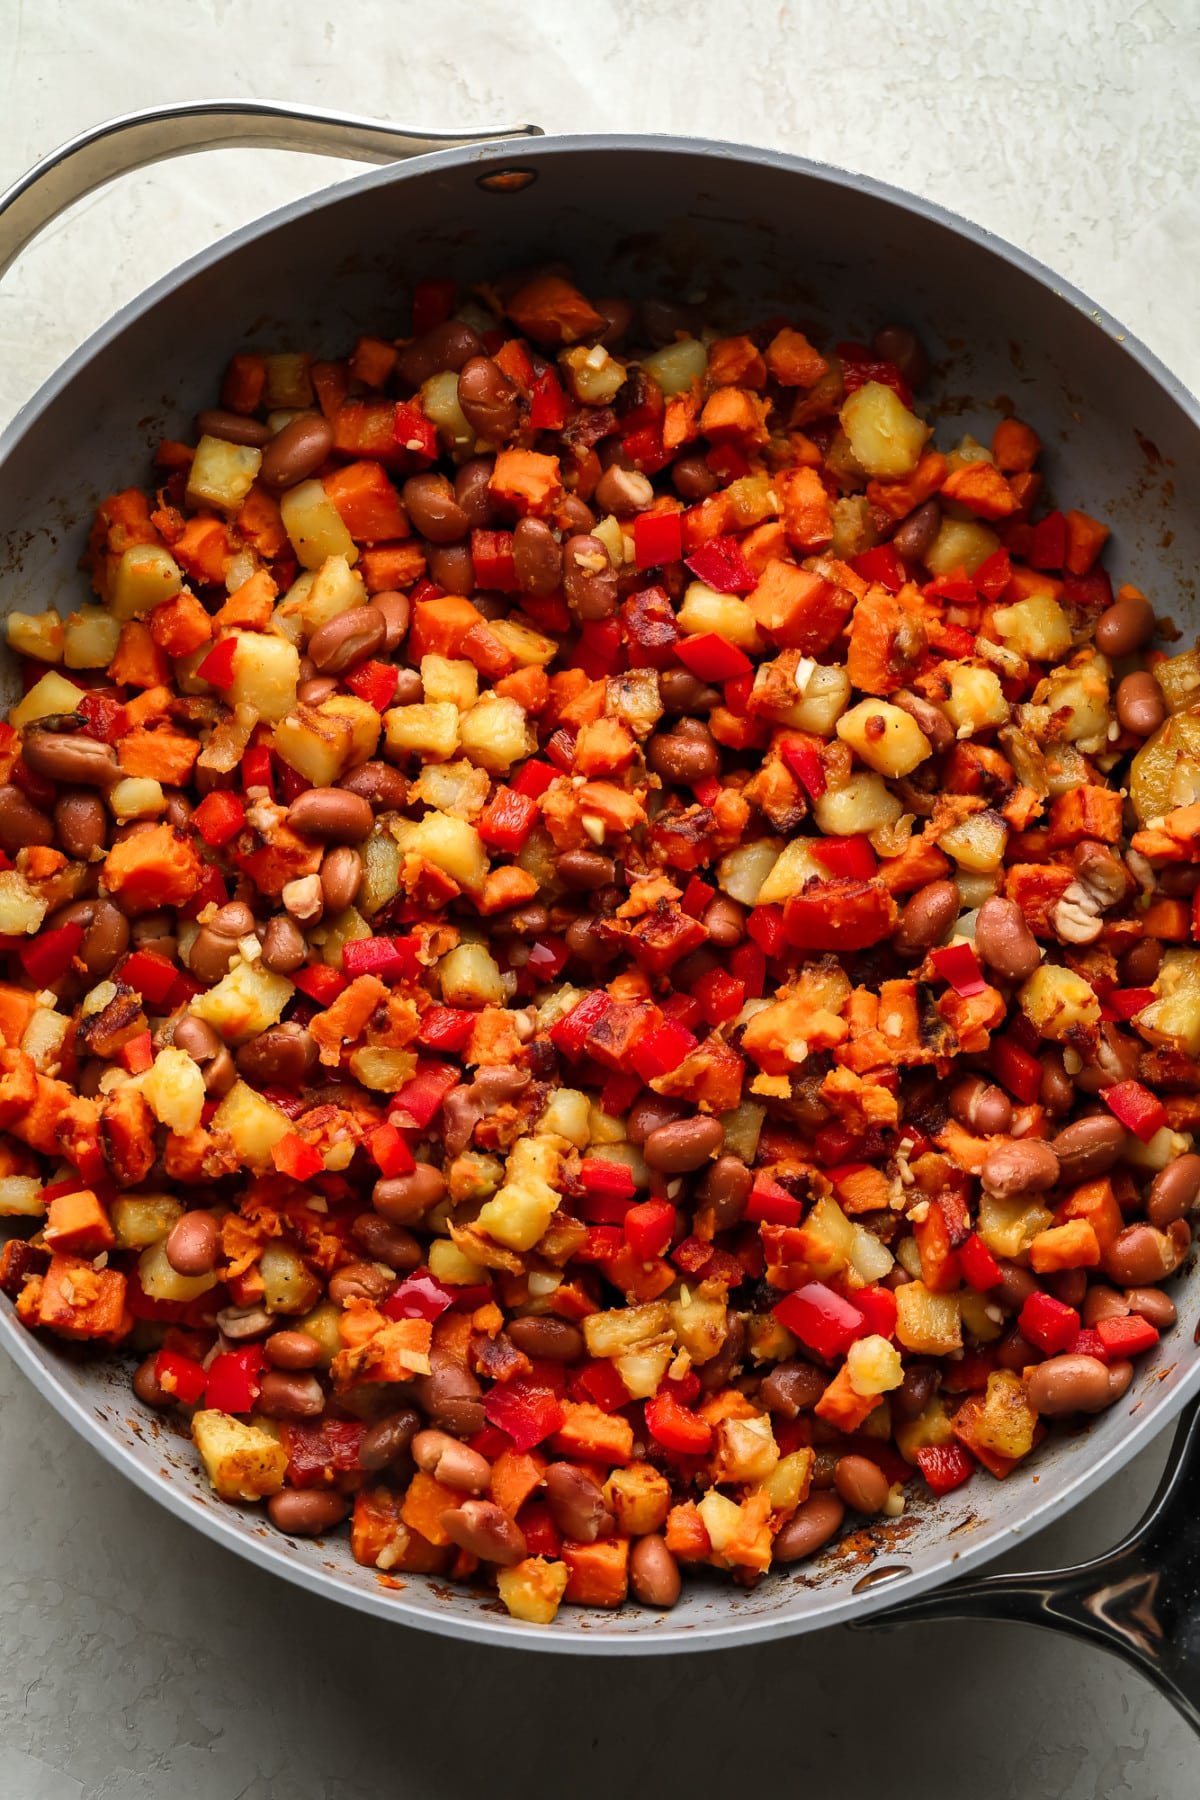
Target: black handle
1140	1600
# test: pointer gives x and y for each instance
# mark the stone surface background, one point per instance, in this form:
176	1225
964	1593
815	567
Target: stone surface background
143	1663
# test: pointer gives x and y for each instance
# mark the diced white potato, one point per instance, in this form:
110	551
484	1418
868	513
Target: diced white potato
973	889
705	610
743	1128
266	670
745	1449
452	679
603	1127
289	1285
52	694
677	365
21	1197
1166	1146
796	866
1009	1225
322	742
609	1334
289	381
884	737
741	872
244	1002
439	403
1179	679
611	535
862	805
640	1496
1174	1016
145	576
448	1263
635	700
174	1090
593	376
519	1213
1058	1002
960	544
495	733
382	1070
428	729
43	1038
336	588
222	474
700	1323
39	635
243	1461
532	1589
137	797
162	1282
977	843
450	844
825	698
315	526
886	438
21	910
1037	629
874	1366
566	1115
470	976
140	1220
628	1155
251	1123
869	1259
1082	689
529	649
976	700
926	1322
456	787
91	637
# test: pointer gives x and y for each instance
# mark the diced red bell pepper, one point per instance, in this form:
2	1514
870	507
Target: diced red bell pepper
507	820
217	667
610	1180
945	1467
389	1152
549	612
319	1450
421	1098
547	403
649	1227
234	1380
433	302
527	1413
720	565
660	1050
1136	1107
765	926
180	1376
1047	1323
859	366
684	1009
571	1032
736	694
880	564
1088	1343
712	658
771	1204
602	1384
821	1319
257	769
1016	1068
446	1029
993	575
657	539
374	682
219	817
291	784
958	965
1092	591
293	1156
721	996
878	1307
1126	1003
707	790
102	715
419	1296
47	957
492	558
696	897
979	1266
390	958
560	748
804	763
849	858
533	778
137	1053
319	982
152	976
749	965
619	1093
1048	548
676	1429
414	432
547	959
598	652
1127	1335
645	449
602	1243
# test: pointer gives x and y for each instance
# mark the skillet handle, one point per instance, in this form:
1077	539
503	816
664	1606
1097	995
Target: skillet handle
1141	1600
96	156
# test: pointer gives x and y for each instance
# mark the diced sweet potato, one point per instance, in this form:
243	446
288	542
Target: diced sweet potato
158	867
368	503
792	360
78	1225
1037	889
551	311
590	1435
982	489
807	518
798	608
887	642
1085	812
597	1574
735	415
180	626
75	1300
425	1500
527	482
1071	1245
165	755
1095	1204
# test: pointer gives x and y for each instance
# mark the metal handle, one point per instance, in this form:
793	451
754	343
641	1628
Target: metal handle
86	162
1141	1600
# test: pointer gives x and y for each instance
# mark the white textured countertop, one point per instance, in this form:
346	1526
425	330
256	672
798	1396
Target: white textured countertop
142	1662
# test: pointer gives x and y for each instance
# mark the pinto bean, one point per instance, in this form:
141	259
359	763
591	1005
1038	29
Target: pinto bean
296	451
242	1323
1141	1255
692	478
70	761
147	1386
358	1281
378	783
488	399
1057	1091
861	1483
1068	1384
725	1189
653	1572
281	1056
1174	1191
1120	1374
449	1396
1089	1147
812	1524
21	823
193	1243
981	1107
931	719
684	755
576	1503
915	536
388	1438
441	348
81	824
897	344
341	877
105	934
1115	1059
537	557
682	692
480	1527
450	565
232	428
792	1388
547	1339
306	1512
394	609
386	1243
473	492
926	918
292	1350
725	922
283	946
1101	1302
1020	1166
291	1394
405	1199
624	491
1015	1286
1140	964
196	1038
588	578
684	1144
433	508
350	638
1151	1304
451	1462
915	1392
1004	941
331	814
1140	705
